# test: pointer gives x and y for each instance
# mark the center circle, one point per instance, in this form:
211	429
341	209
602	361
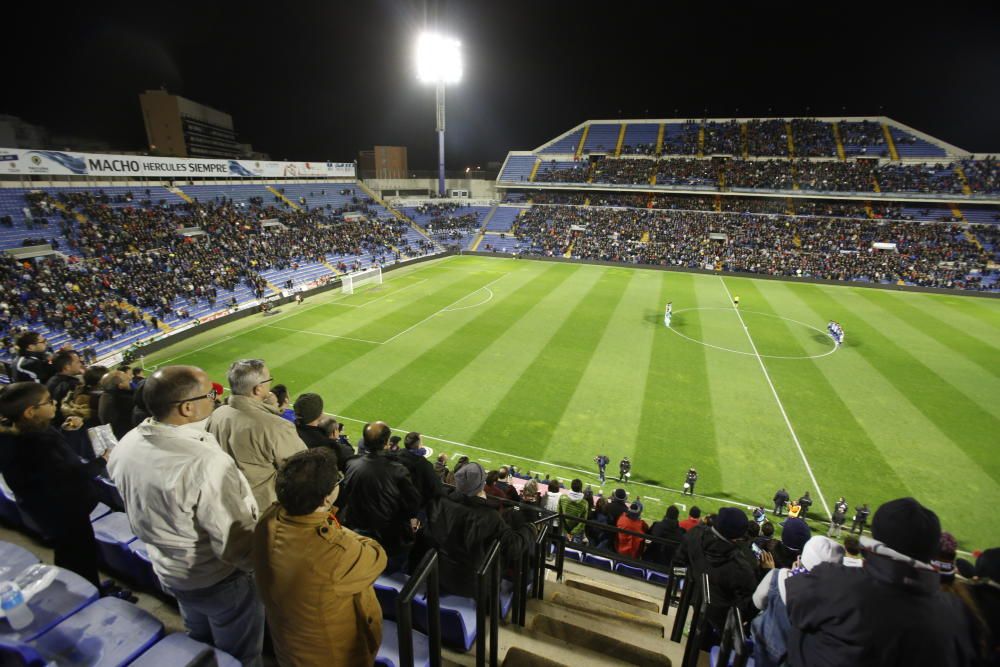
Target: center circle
677	326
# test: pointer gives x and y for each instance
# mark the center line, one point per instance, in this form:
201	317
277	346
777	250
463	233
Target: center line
781	407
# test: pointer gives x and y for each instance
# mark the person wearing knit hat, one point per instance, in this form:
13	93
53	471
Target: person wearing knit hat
721	551
889	612
617	506
308	408
462	525
631	545
794	535
309	425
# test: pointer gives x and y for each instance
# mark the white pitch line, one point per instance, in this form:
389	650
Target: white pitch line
475	305
386	296
408	329
325	335
297	312
774	391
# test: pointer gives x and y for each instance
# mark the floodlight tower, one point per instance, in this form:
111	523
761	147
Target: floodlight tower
439	61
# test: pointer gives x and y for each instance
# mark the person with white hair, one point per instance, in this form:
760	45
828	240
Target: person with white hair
770	627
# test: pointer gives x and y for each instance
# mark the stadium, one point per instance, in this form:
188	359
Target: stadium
499	415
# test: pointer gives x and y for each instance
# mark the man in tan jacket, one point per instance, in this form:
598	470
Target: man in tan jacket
314	576
252	431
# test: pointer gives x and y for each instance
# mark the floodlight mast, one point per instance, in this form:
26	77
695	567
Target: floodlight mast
439	62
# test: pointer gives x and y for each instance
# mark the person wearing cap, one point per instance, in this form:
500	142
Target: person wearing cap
617	506
624	469
770	628
414	459
463	526
252	431
379	499
718	550
889	612
308	413
315	576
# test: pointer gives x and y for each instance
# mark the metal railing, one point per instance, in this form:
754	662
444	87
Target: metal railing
488	593
426	572
734	640
699	622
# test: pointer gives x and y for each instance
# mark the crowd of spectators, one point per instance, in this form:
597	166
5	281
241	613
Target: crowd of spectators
684	142
813	138
129	256
766	137
929	255
577	173
772	174
723	138
863	134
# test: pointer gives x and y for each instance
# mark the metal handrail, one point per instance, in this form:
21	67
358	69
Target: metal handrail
427	571
734	640
699	625
488	591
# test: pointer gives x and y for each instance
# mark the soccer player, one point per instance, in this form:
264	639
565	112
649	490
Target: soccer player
668	313
736	301
602	462
689	481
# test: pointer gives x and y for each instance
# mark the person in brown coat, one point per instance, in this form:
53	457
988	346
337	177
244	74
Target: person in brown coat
313	575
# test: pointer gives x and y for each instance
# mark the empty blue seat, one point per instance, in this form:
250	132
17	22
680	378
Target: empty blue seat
599	562
573	554
100	511
108	494
387	589
66	595
458	620
13	559
630	571
388	652
16	654
114	534
108	632
654	577
713	658
179	650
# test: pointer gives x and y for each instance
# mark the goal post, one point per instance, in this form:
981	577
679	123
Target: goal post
352	281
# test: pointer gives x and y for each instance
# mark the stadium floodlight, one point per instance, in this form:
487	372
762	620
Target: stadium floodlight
439	61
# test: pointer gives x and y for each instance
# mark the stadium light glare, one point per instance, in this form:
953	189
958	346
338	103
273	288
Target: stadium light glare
439	62
439	59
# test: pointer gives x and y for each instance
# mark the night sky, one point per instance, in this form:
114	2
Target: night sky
321	80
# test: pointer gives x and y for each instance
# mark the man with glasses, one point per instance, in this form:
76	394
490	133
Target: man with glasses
188	501
252	431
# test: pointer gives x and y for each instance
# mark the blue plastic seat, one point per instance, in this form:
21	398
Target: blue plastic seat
654	577
100	511
8	506
388	652
144	574
13	559
573	554
109	632
17	654
65	596
114	534
108	494
387	589
179	650
630	571
599	562
458	620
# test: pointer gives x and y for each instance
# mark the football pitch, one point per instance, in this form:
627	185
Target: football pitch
544	365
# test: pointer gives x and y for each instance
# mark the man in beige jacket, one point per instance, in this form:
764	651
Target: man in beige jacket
253	431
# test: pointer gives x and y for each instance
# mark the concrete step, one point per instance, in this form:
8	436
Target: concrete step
567	595
556	650
572	604
618	595
619	645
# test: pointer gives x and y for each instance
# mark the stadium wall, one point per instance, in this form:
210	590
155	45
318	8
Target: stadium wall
740	274
477	188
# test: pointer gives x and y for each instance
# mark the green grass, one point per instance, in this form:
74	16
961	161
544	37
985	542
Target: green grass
545	365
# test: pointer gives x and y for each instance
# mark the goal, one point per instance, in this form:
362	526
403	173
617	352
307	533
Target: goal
351	281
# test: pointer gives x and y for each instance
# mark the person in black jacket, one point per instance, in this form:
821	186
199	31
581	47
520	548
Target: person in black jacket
617	506
412	456
805	502
669	529
379	499
718	550
892	611
68	367
32	362
463	526
52	484
116	403
781	499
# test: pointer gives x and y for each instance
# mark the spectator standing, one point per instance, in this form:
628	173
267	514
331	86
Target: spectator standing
693	519
667	528
32	361
441	469
860	519
68	368
852	557
335	432
52	484
315	577
84	400
379	499
889	612
413	458
252	431
503	483
117	402
794	535
137	378
617	506
284	406
462	526
194	509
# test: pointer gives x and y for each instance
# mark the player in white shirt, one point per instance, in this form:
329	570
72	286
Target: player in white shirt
668	313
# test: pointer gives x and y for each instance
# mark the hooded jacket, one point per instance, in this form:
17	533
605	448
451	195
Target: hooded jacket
731	577
379	498
572	505
890	612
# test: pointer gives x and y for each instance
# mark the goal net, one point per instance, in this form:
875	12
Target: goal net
352	281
